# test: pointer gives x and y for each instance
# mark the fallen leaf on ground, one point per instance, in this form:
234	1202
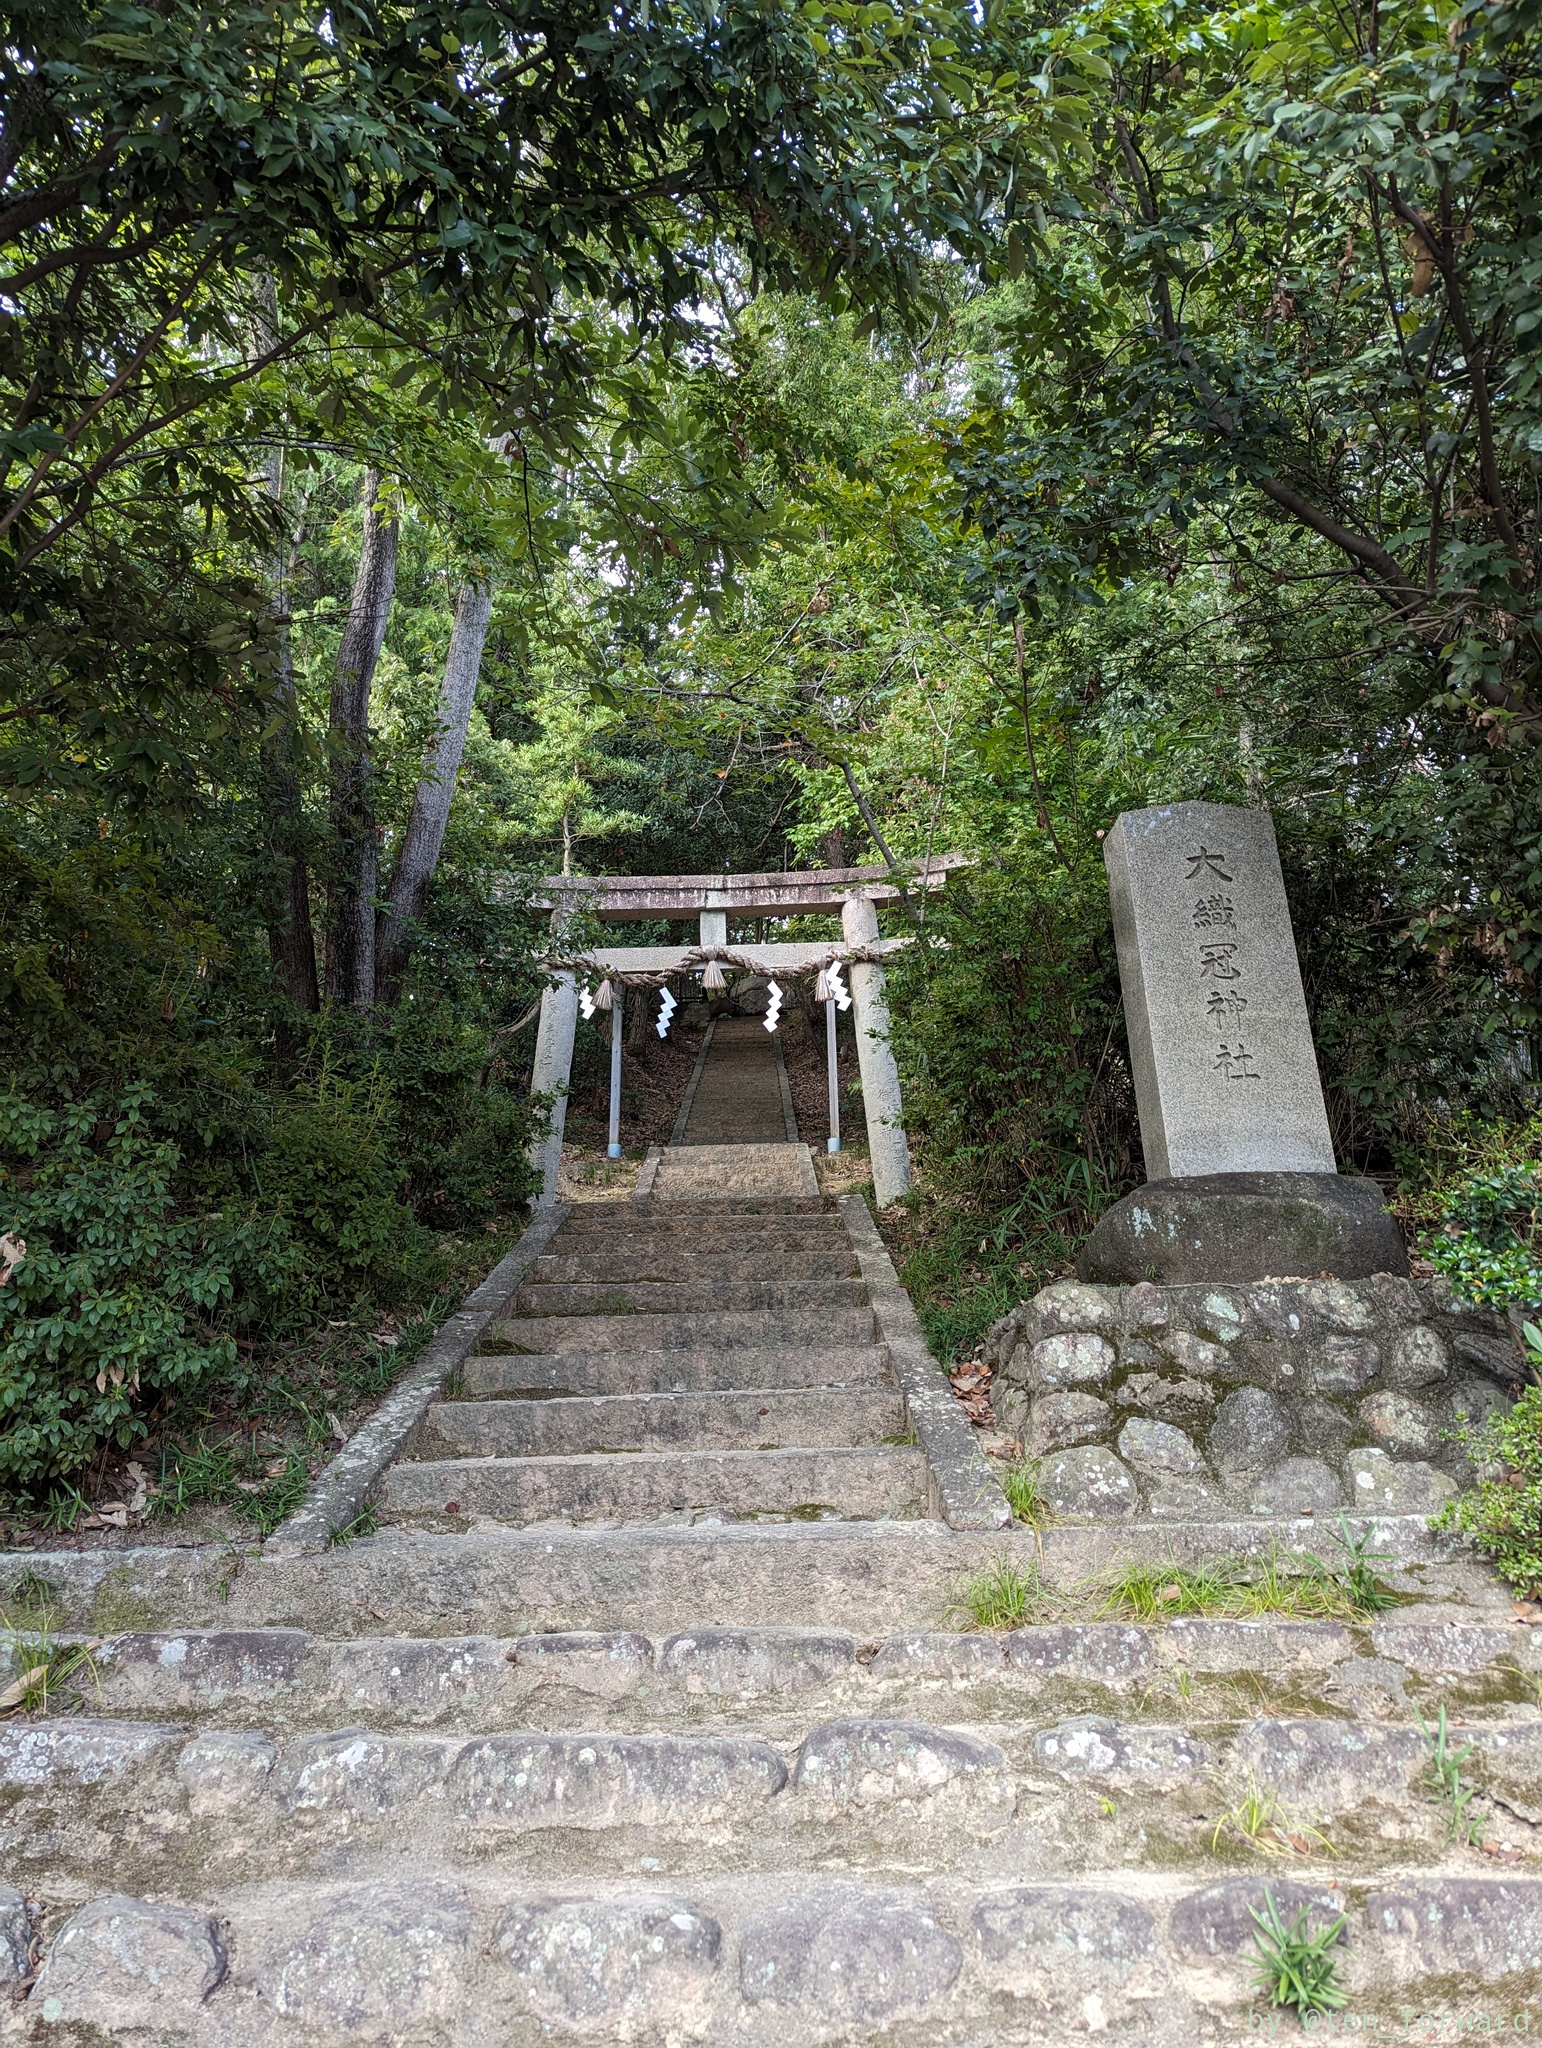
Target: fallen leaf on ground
18	1688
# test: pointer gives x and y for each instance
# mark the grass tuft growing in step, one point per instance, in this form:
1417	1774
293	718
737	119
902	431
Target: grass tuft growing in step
1025	1498
1001	1595
1294	1585
364	1523
1231	1589
1301	1587
45	1668
1260	1820
1444	1778
1297	1968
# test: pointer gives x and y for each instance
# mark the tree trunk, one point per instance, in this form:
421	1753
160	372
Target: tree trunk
291	939
355	851
436	788
642	1015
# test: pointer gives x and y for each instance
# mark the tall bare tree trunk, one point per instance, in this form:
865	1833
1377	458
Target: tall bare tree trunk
436	787
355	850
291	939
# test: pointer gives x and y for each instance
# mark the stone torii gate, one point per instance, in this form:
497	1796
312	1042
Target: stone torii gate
852	894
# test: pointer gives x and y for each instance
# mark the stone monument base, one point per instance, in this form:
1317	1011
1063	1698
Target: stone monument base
1295	1397
1242	1227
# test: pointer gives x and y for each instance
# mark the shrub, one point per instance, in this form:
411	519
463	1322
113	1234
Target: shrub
1491	1235
1503	1512
119	1296
329	1167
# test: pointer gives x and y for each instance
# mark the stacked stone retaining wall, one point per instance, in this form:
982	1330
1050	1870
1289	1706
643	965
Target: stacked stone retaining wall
1286	1397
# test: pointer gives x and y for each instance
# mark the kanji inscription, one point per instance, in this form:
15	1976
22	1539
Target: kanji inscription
1225	1074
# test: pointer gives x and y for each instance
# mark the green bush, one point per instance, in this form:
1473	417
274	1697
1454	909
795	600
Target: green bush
120	1297
329	1168
461	1138
1503	1512
1490	1237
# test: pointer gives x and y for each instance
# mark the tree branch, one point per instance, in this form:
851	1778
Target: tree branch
1442	248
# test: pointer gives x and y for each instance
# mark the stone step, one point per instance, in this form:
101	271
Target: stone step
645	1236
724	1677
634	1214
677	1266
288	1804
753	1171
880	1575
883	1789
449	1957
728	1329
860	1484
649	1297
760	1419
685	1369
898	1575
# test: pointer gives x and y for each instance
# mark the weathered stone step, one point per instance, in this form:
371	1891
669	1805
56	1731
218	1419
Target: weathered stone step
634	1213
73	1788
702	1234
675	1266
729	1329
901	1575
761	1419
682	1370
452	1958
724	1801
860	1484
663	1297
727	1674
1320	1770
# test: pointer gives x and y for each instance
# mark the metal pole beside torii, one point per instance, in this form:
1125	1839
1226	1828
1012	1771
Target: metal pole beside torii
853	894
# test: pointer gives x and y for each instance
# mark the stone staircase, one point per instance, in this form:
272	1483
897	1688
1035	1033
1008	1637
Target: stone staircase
648	1713
679	1359
739	1093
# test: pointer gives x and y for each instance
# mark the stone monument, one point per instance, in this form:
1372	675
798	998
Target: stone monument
1243	1183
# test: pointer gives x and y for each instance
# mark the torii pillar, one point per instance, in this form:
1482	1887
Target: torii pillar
553	1065
887	1149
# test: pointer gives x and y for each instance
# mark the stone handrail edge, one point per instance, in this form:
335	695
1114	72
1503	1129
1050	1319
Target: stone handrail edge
965	1492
